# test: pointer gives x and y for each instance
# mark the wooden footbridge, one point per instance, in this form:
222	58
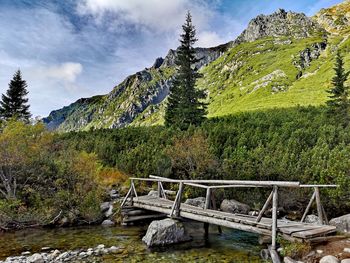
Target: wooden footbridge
290	230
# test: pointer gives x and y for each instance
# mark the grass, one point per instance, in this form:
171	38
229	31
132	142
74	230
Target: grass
235	92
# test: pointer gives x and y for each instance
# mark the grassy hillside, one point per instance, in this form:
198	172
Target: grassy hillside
268	78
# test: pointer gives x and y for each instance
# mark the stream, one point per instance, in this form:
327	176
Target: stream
230	246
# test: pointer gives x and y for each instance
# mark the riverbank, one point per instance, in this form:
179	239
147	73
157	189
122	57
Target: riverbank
231	245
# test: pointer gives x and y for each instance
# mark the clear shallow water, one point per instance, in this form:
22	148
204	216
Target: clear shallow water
231	246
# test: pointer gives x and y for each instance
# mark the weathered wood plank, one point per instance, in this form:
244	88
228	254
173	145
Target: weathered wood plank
325	230
130	219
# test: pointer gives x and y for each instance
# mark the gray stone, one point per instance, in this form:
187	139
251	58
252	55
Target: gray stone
153	193
233	206
63	256
346	250
101	246
288	260
264	239
35	258
107	222
26	253
55	254
114	194
342	223
312	219
329	259
165	232
346	260
199	202
113	249
104	206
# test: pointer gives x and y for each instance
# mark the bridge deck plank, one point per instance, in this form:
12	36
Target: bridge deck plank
240	221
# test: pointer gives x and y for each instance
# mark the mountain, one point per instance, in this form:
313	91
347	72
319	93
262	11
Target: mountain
280	60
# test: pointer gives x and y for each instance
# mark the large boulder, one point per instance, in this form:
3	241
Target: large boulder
233	206
165	232
199	202
342	223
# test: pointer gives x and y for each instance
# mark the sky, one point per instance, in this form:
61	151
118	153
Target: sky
68	49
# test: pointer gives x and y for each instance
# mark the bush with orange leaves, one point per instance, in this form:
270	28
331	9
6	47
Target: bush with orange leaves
109	177
191	157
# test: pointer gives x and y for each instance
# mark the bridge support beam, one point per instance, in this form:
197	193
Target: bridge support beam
274	217
319	205
207	206
177	203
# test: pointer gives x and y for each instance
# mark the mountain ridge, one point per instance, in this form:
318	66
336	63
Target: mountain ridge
140	99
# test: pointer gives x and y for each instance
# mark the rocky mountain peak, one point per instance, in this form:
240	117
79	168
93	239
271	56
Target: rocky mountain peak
278	24
335	19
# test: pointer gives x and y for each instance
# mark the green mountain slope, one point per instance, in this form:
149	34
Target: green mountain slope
281	60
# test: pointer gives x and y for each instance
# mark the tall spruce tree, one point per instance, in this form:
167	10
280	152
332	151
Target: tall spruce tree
15	103
339	94
185	106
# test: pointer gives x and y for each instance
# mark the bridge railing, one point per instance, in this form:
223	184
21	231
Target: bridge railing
210	185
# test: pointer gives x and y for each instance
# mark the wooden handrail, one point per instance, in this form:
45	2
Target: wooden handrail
225	182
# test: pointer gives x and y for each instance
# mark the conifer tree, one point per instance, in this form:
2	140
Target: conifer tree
184	106
14	103
339	93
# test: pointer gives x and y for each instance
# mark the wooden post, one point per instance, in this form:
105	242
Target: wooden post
132	193
213	206
268	201
274	216
126	197
319	205
207	206
308	207
207	199
178	204
159	190
163	191
325	216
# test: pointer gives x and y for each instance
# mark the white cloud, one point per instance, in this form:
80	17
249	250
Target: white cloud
161	15
209	39
68	71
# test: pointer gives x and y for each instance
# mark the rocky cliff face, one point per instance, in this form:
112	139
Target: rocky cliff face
279	24
129	99
275	53
336	19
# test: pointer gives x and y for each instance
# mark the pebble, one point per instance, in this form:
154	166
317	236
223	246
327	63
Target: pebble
347	250
347	260
113	249
67	256
319	251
